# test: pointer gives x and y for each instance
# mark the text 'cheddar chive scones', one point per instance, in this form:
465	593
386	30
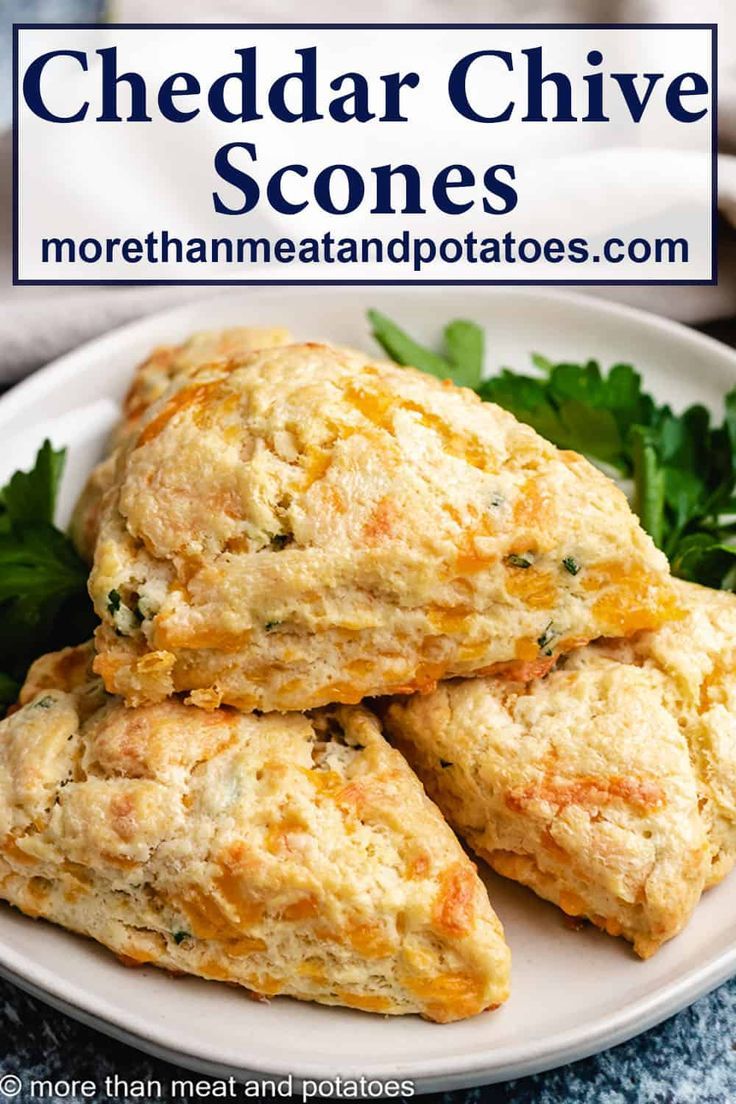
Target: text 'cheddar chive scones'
151	379
304	526
295	855
609	787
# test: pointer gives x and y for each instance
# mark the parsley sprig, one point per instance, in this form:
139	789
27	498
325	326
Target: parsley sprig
43	582
682	467
461	360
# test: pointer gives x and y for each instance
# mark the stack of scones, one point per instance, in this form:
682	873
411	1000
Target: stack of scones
317	574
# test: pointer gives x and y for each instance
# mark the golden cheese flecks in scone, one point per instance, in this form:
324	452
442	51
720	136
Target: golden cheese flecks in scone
305	527
169	363
164	366
609	787
288	854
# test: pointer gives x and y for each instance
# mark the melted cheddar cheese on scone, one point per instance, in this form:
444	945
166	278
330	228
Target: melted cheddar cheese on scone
609	787
287	854
304	526
158	371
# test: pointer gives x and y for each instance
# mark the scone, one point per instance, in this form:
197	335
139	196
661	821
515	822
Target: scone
152	378
304	526
173	362
609	787
295	855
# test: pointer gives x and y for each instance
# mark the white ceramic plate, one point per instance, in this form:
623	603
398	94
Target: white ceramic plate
574	993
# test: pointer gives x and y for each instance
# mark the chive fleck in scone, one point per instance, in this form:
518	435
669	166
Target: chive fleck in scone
165	365
609	787
303	526
294	855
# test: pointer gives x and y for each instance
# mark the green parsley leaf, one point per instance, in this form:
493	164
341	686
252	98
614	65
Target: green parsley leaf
44	603
649	497
462	361
9	689
38	563
577	407
465	351
31	496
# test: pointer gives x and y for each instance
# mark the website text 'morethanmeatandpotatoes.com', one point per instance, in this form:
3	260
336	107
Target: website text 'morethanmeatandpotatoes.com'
403	251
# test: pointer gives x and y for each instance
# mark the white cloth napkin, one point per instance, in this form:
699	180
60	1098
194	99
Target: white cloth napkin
39	323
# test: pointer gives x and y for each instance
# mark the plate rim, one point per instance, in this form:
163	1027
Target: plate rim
428	1074
444	1072
63	366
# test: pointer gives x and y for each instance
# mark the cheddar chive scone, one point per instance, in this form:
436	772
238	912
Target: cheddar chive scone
170	363
164	366
304	526
295	855
609	787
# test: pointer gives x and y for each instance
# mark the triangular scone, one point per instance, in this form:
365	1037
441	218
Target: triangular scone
165	365
306	527
288	854
609	787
